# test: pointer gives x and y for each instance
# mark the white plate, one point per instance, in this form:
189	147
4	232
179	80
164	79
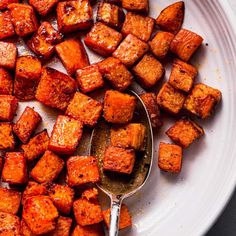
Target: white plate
188	203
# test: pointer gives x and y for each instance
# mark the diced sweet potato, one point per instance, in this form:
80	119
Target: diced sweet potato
9	200
202	100
55	89
6	82
47	168
82	170
160	44
62	227
23	19
125	217
170	99
25	230
43	7
87	211
102	39
116	73
8	106
62	197
148	71
26	124
185	43
136	5
73	55
9	224
171	18
8	54
170	157
90	230
66	135
110	15
118	107
130	50
138	25
40	214
74	15
7	141
6	29
89	78
44	40
36	146
15	168
4	3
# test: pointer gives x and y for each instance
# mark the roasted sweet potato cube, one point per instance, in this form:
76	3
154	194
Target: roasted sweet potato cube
40	214
74	15
6	26
47	168
110	15
25	230
90	230
82	170
116	73
26	124
170	99
62	227
125	217
36	146
138	25
4	3
160	44
89	78
43	7
62	197
6	82
66	135
170	157
202	100
141	6
55	89
118	107
8	106
185	43
148	71
9	224
102	39
9	200
15	168
7	141
23	19
73	55
43	42
8	54
130	50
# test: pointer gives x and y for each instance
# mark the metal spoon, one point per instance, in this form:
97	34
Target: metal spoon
119	187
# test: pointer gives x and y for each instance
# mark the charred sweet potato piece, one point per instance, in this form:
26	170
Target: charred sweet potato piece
202	100
118	107
26	124
185	43
55	89
43	7
148	71
141	6
6	26
66	135
23	19
74	15
43	42
102	39
9	200
7	141
63	226
170	157
82	170
160	44
171	18
138	25
40	214
116	73
36	146
15	168
9	224
89	78
8	54
130	50
6	82
170	99
73	55
47	168
4	3
85	109
8	106
90	230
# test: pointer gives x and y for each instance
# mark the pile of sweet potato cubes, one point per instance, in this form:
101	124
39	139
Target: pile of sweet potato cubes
135	46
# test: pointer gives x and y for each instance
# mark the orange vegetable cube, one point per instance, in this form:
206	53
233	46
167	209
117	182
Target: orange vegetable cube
43	7
6	82
4	3
8	106
141	6
8	54
90	230
6	29
25	230
7	141
63	226
9	224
